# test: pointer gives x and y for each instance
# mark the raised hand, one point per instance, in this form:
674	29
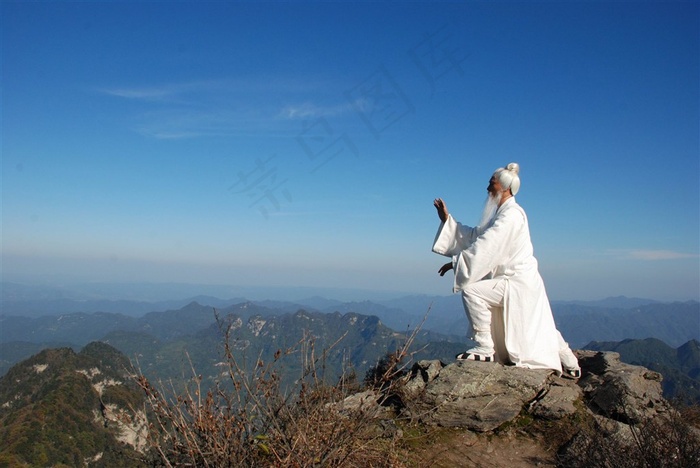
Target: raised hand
441	209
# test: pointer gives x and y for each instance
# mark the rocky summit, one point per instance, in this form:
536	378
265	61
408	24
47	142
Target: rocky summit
483	396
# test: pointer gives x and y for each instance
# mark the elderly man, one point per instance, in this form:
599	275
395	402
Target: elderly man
502	291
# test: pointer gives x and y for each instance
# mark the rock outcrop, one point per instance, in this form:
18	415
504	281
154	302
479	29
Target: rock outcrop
482	396
474	395
623	392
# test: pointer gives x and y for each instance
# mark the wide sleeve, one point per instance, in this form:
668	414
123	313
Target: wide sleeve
487	252
453	237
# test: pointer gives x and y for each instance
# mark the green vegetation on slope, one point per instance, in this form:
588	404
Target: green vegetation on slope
52	414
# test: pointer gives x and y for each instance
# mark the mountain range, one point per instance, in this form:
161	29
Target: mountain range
33	319
66	376
612	319
191	327
67	394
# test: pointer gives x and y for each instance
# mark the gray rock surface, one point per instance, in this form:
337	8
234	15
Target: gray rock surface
483	396
477	396
557	400
623	392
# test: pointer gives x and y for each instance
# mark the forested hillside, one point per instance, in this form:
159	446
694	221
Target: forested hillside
61	408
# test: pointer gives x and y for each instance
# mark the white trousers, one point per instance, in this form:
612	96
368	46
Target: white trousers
480	300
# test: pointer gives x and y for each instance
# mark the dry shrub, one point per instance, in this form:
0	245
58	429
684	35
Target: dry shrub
664	441
247	420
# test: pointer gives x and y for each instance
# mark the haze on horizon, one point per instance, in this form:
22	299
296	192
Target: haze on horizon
300	145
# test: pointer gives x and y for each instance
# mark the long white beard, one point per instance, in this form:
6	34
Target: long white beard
490	208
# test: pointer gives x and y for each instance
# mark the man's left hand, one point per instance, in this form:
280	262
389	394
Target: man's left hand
445	268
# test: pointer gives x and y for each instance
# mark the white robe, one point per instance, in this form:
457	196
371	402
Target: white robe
503	250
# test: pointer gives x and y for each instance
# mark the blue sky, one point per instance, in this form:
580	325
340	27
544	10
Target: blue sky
301	144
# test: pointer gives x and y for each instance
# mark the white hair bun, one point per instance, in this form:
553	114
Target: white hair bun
513	167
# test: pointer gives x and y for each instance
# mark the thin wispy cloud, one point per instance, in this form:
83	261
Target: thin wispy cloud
653	255
218	88
224	107
163	92
180	123
308	110
139	93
